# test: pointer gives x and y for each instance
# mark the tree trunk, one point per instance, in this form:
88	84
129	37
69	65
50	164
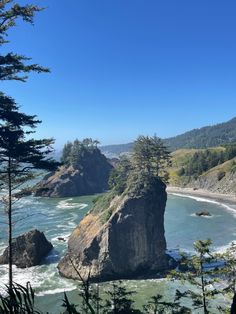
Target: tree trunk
233	306
203	290
10	232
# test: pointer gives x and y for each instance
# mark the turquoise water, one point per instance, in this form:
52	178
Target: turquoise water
58	217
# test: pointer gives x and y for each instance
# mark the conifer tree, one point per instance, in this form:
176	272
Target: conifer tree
20	155
151	156
198	272
12	65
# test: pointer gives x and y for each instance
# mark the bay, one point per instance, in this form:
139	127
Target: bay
58	217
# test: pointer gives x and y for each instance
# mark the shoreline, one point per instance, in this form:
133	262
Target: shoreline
221	198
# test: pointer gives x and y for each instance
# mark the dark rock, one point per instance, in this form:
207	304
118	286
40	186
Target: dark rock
129	244
89	178
23	193
28	249
203	213
61	239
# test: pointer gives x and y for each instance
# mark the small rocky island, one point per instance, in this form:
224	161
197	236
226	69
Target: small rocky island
85	171
28	249
203	213
123	235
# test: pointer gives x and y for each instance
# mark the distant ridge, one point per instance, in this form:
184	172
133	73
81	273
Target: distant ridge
208	136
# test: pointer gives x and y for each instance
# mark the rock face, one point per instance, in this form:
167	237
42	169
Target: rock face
28	249
125	240
91	177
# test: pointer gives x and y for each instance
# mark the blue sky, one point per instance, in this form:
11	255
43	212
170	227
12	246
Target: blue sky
121	68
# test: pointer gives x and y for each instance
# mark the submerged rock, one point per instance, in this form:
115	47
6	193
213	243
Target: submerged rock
28	249
122	237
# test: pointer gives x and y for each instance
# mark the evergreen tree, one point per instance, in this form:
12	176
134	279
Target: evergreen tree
151	156
20	155
14	66
198	272
119	300
66	152
74	154
156	305
228	272
119	175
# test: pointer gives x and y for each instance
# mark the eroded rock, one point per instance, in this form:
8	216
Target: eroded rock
124	240
28	249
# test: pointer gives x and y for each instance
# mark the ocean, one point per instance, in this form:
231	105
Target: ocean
58	217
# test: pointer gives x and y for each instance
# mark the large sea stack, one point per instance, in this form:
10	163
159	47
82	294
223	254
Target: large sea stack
85	171
122	236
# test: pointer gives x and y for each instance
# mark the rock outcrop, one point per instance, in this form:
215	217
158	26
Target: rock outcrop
90	177
124	239
28	249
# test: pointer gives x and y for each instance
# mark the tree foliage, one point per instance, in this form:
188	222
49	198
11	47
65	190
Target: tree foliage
19	299
198	270
202	161
150	159
151	156
20	155
74	154
14	66
210	136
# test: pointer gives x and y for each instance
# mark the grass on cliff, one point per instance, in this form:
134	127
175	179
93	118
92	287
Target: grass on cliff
102	202
185	158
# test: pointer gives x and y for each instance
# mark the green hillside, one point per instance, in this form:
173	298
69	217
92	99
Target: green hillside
209	136
212	169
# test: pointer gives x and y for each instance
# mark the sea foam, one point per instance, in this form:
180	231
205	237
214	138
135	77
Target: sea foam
67	204
206	200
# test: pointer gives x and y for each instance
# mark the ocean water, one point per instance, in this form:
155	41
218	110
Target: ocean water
58	217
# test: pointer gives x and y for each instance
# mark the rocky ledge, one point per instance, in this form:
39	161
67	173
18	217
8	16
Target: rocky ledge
123	239
28	249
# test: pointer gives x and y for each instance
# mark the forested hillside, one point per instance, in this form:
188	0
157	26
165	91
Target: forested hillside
209	136
212	169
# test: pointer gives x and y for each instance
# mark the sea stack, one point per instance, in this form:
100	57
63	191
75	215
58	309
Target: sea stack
121	237
85	171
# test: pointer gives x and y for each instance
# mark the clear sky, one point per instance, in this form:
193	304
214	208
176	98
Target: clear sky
121	68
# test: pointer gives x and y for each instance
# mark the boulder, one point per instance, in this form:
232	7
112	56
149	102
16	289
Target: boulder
28	249
122	240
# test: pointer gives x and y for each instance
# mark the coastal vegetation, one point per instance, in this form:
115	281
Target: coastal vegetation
211	168
77	153
150	158
20	155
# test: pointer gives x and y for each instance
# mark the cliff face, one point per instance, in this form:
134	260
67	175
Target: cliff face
124	240
216	182
89	177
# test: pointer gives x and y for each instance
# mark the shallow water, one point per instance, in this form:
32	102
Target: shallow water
58	217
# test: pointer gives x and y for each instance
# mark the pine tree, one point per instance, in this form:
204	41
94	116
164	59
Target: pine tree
119	300
198	272
12	65
20	156
151	156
